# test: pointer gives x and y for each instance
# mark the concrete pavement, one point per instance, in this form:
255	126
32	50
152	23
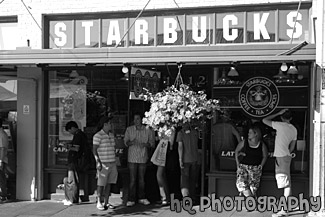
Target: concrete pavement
57	209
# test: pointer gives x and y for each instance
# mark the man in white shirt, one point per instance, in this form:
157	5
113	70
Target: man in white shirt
285	141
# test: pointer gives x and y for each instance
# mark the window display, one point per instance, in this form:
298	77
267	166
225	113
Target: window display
255	92
83	96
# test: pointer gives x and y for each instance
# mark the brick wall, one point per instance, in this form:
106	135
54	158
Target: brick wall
29	30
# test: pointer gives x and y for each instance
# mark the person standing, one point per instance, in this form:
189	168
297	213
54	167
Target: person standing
138	139
3	162
187	139
164	161
104	153
78	160
285	141
249	168
225	137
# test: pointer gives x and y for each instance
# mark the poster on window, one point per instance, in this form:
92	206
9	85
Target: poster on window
72	104
143	78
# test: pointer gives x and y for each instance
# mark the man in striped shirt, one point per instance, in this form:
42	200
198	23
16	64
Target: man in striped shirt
138	138
104	152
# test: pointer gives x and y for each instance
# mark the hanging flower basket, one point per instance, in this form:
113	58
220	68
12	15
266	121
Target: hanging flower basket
175	106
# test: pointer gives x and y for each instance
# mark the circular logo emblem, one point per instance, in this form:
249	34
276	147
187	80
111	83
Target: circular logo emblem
259	96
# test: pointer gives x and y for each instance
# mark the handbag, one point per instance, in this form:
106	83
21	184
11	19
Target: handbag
159	156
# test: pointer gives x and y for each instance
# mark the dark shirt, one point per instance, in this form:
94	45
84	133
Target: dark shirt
254	156
79	138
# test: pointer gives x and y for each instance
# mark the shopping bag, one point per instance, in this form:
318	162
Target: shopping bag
159	156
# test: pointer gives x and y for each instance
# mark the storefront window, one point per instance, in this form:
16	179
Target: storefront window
83	96
301	32
230	28
8	35
142	33
235	117
61	34
261	26
112	32
170	30
199	29
87	32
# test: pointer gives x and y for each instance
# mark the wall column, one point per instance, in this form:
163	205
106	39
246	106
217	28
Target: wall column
28	138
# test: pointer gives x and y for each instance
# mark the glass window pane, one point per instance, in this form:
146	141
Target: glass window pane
142	32
87	33
112	32
230	28
287	23
8	36
170	30
199	29
83	96
261	26
61	34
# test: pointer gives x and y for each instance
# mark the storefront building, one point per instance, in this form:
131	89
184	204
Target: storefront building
255	59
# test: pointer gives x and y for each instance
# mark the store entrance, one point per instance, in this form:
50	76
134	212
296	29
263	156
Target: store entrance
8	114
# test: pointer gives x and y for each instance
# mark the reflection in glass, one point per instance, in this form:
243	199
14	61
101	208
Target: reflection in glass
261	26
287	24
61	34
112	32
170	30
230	28
87	33
199	29
142	32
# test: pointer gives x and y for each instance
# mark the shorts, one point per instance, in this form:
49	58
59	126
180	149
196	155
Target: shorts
108	174
282	171
188	174
248	177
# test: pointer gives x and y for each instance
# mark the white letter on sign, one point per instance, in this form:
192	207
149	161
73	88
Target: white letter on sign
87	25
113	32
170	34
195	29
141	28
291	22
259	26
59	30
226	27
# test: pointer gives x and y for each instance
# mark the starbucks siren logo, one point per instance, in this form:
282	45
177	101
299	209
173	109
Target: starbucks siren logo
259	96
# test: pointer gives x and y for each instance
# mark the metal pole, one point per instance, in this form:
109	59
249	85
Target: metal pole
203	161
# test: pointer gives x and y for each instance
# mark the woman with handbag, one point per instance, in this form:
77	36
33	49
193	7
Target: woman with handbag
168	169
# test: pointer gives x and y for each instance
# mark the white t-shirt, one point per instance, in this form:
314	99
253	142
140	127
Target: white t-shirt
285	133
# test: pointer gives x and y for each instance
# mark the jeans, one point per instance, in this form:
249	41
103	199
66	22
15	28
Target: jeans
137	170
3	183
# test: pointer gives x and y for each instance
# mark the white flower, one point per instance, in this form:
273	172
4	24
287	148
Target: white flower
173	107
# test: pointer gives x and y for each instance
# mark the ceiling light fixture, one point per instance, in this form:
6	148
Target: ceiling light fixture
293	70
233	72
125	69
284	67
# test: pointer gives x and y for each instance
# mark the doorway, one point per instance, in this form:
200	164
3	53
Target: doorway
8	114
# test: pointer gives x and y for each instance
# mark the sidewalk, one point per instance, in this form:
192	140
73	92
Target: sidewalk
57	209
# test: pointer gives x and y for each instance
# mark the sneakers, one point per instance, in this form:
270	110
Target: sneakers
144	202
100	206
67	202
280	213
165	203
106	206
130	203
